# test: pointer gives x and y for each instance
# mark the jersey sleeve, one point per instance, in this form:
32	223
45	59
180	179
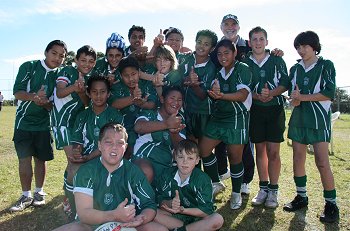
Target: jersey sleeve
174	78
77	134
83	181
244	78
327	84
23	77
204	195
282	72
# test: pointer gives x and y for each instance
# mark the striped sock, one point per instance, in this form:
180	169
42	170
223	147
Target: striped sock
273	187
210	166
237	172
330	196
300	182
263	185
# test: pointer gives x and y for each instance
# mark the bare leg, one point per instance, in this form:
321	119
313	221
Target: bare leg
323	165
209	223
25	173
262	161
299	157
274	162
39	172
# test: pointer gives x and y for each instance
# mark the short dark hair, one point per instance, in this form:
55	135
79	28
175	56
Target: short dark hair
58	43
210	34
136	28
257	30
115	127
189	146
87	50
308	38
128	61
225	43
97	78
168	89
173	30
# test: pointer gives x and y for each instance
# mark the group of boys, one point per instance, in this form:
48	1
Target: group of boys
88	122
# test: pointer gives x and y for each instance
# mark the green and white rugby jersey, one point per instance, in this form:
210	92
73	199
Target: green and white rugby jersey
87	126
32	75
102	67
157	145
229	114
206	74
66	109
108	190
271	71
195	192
130	113
318	78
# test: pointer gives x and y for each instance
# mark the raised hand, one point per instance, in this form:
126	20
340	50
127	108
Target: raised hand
175	204
158	80
192	79
159	40
40	97
215	92
265	91
80	84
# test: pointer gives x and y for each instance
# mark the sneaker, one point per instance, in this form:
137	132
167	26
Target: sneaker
22	203
39	199
226	175
298	203
218	187
235	201
330	213
245	189
272	200
260	198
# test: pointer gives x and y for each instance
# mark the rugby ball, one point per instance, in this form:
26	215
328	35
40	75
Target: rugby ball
113	226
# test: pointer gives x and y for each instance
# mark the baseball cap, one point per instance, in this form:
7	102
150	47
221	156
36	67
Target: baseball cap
230	16
115	41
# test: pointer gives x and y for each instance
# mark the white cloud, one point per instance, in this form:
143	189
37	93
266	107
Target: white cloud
16	62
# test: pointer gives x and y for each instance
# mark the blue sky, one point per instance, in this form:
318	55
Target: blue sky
27	26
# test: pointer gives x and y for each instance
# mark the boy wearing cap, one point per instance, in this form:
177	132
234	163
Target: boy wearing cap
130	96
267	118
69	100
108	65
33	87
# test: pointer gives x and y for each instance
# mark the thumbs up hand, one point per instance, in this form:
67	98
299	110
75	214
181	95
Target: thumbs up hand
124	212
265	91
215	92
159	40
175	204
295	96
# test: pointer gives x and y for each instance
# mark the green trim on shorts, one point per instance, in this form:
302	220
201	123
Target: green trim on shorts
267	123
226	135
309	135
33	143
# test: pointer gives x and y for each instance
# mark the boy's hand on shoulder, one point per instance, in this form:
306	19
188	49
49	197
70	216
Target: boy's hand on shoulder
277	52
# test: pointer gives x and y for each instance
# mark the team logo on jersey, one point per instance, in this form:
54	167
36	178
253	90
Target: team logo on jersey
262	73
306	81
96	131
225	87
166	135
186	201
108	198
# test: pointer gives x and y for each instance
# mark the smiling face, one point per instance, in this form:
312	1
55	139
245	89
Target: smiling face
163	65
137	38
203	46
113	57
186	162
226	57
99	94
85	63
55	56
172	102
306	52
130	76
174	40
258	42
112	147
230	29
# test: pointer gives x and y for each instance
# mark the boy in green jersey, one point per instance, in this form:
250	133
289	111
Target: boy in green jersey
88	124
184	194
108	65
267	118
112	189
313	89
69	100
33	87
131	96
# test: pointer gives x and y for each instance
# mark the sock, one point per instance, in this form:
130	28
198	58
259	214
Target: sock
68	192
27	193
263	185
300	182
330	196
39	190
210	167
237	172
273	187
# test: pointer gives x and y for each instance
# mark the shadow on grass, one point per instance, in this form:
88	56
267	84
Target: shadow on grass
47	217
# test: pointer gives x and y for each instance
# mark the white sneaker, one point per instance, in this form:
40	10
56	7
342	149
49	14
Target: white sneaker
235	201
272	200
218	187
226	175
260	198
245	189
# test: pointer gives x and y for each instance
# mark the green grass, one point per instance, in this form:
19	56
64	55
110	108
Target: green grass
247	218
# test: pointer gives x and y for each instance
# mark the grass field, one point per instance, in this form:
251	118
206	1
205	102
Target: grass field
247	218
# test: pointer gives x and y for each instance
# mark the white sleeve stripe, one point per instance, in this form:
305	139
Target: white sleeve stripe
87	191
